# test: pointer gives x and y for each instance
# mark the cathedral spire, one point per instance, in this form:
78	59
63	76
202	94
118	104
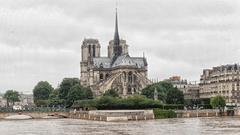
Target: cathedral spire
116	34
117	49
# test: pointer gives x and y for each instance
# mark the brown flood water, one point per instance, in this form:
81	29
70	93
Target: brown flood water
183	126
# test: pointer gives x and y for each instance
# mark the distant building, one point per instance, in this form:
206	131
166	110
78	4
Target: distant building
221	80
176	81
25	100
190	90
3	102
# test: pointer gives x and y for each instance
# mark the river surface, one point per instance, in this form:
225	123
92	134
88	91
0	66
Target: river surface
182	126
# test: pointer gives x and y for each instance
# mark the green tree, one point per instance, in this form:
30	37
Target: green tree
218	102
111	92
66	85
78	92
11	96
162	88
54	99
41	93
174	96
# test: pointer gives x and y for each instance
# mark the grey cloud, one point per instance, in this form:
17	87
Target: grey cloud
40	39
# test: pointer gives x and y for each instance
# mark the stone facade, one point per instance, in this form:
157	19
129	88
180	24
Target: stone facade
221	80
119	71
190	89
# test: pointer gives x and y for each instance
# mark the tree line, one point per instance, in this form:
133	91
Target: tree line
65	95
70	92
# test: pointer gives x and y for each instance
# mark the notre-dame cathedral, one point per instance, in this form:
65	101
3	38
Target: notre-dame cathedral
119	71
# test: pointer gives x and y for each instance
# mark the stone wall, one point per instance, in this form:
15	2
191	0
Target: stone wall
113	115
197	113
36	115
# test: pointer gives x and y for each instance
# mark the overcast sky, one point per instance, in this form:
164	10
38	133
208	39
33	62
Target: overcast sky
41	39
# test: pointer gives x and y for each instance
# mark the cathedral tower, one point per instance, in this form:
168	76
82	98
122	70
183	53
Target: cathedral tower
90	49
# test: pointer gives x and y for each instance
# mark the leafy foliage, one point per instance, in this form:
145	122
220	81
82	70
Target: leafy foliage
131	102
217	102
109	102
66	85
78	92
161	114
11	96
166	93
54	99
111	92
174	96
41	92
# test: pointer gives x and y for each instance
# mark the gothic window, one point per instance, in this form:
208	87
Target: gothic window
101	77
124	76
89	50
134	78
130	77
129	90
107	75
94	48
134	89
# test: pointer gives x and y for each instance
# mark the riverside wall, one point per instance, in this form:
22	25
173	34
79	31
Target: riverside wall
113	115
206	113
35	115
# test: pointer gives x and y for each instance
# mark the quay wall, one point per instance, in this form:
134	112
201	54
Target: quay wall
113	115
35	115
205	113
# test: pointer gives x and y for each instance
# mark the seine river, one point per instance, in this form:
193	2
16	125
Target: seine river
191	126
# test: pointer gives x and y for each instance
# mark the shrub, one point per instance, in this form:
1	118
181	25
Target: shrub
161	114
173	107
132	102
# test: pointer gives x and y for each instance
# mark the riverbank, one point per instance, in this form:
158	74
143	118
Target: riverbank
119	115
35	115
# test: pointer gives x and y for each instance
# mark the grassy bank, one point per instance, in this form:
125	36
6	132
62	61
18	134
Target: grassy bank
161	114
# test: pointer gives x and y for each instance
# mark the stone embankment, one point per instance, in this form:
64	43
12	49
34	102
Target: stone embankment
113	115
34	115
206	113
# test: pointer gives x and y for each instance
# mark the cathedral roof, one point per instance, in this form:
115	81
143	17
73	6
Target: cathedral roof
102	62
123	60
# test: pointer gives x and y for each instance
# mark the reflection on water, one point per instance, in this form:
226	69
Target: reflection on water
191	126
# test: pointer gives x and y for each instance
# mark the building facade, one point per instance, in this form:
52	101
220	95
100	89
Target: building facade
25	100
118	70
190	89
221	80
